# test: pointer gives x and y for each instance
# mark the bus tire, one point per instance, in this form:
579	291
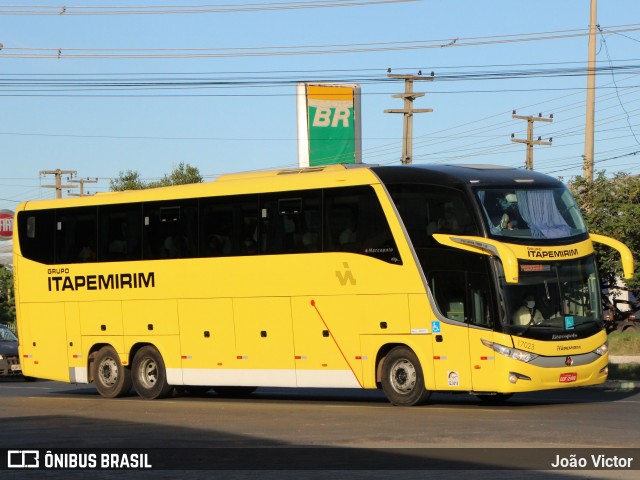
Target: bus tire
402	378
149	374
111	378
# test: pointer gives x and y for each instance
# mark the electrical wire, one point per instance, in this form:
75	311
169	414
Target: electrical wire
85	10
279	50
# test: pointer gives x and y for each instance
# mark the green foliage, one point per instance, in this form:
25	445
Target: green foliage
181	175
624	343
611	207
129	180
7	298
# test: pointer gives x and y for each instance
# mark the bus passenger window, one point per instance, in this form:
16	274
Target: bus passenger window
228	226
119	233
248	230
76	235
291	222
216	228
448	289
428	209
170	229
35	230
355	222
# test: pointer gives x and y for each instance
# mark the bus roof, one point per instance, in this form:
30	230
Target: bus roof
315	177
229	184
459	175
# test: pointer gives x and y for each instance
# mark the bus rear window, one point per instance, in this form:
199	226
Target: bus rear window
34	233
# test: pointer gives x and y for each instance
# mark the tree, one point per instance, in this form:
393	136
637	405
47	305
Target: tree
7	298
183	174
131	180
611	207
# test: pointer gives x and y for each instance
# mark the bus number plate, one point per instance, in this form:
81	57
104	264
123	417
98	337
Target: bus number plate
568	377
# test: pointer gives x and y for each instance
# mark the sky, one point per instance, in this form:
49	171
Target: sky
117	87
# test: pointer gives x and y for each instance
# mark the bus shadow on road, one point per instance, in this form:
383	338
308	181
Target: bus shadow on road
571	396
169	447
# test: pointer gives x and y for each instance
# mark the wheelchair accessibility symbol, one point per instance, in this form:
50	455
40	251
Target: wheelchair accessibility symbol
435	326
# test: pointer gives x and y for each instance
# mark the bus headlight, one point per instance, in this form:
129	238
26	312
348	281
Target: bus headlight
514	353
602	349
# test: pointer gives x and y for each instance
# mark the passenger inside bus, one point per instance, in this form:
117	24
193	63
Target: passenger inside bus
528	314
447	222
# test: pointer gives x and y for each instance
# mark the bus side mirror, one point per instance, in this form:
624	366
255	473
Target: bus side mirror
484	246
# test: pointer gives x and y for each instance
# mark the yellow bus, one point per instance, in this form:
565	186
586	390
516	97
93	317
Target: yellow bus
412	279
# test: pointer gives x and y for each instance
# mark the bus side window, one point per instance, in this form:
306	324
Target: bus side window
291	222
35	231
170	229
355	222
480	304
448	289
427	209
216	228
76	235
246	236
463	296
120	232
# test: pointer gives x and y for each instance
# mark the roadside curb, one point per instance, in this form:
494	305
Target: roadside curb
624	359
619	385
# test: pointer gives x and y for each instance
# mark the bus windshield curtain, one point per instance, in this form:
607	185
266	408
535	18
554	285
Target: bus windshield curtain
494	230
538	208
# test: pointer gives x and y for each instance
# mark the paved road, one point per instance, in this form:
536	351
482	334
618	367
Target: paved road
52	415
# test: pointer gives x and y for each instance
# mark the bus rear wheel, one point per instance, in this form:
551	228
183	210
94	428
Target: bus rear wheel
149	374
111	378
402	378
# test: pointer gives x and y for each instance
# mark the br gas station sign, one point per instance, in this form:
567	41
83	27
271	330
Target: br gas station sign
329	129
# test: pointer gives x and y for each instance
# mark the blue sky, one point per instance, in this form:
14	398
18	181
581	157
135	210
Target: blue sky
249	122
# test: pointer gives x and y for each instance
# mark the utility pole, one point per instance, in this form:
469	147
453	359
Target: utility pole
82	181
58	185
530	141
409	96
587	169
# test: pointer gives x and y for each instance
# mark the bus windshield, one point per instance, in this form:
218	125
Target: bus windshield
531	213
554	300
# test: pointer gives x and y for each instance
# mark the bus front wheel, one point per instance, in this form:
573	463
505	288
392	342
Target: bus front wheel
111	378
149	374
402	378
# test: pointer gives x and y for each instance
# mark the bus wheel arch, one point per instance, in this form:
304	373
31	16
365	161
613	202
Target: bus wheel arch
111	378
380	358
403	378
149	374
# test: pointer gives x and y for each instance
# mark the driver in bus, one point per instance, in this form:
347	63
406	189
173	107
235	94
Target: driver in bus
528	314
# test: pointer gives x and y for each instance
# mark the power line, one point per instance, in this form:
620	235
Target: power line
71	10
613	78
279	50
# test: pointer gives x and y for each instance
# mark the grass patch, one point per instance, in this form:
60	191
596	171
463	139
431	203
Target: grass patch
624	372
624	343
